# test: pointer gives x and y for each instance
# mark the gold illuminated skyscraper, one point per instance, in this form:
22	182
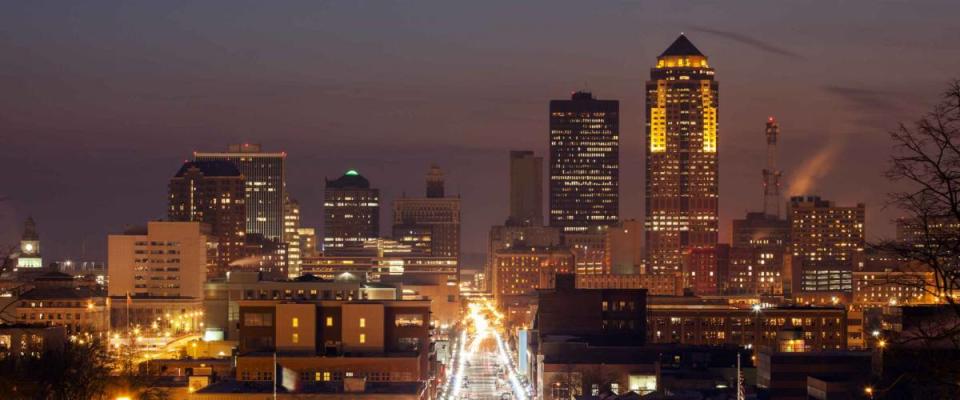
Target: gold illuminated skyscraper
682	170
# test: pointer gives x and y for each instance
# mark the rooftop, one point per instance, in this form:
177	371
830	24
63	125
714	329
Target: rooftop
681	47
211	168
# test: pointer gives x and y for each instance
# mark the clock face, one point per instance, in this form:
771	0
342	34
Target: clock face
28	248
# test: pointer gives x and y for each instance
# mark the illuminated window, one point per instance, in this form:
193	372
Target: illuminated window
363	322
363	338
295	322
295	338
326	376
329	321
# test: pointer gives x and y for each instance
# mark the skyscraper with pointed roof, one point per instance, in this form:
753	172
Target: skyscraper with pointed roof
682	180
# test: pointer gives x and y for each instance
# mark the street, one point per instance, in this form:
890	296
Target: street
483	367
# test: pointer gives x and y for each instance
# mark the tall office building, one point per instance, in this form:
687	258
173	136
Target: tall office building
265	175
526	189
212	192
825	241
584	163
351	213
429	225
682	170
165	259
760	242
291	236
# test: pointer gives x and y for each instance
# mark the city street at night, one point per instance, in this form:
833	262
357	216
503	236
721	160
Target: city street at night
483	367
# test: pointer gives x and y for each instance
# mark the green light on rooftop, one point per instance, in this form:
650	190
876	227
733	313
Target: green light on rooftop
352	172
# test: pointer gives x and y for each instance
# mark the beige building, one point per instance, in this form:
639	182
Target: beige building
166	259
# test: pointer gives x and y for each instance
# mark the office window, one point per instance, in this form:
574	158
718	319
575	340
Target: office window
363	338
295	338
329	321
257	319
295	322
363	322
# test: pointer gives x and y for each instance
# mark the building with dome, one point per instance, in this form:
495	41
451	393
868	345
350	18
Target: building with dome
351	213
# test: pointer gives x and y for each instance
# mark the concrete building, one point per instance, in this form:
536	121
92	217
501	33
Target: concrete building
624	248
266	186
429	225
165	259
291	237
589	341
655	284
825	241
584	163
221	297
760	241
714	322
700	270
682	164
351	213
522	269
157	316
589	250
56	300
331	341
502	237
526	189
802	375
212	192
308	242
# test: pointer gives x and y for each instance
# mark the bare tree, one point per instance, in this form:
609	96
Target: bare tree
925	165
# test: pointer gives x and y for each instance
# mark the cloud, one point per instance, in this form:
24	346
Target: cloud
867	99
752	42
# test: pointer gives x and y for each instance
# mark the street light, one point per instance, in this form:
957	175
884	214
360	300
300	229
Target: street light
869	391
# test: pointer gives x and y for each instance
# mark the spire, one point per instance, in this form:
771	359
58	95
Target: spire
682	47
30	230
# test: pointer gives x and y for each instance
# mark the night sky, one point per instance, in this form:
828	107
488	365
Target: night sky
101	101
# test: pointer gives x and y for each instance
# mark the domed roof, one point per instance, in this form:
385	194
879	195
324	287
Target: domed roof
350	180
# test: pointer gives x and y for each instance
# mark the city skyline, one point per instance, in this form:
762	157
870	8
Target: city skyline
843	120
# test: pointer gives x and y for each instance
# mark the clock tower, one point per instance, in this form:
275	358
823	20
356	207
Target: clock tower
30	247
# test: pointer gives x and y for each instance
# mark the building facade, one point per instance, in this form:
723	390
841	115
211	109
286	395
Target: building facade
522	269
212	192
584	163
825	241
266	185
526	189
165	259
430	225
351	213
682	179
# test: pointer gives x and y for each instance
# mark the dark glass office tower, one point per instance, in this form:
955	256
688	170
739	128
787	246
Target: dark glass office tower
584	163
351	213
212	192
265	175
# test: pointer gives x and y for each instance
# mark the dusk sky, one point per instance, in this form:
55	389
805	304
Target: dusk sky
100	102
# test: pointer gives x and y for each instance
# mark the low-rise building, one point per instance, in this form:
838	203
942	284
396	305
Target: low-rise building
330	340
